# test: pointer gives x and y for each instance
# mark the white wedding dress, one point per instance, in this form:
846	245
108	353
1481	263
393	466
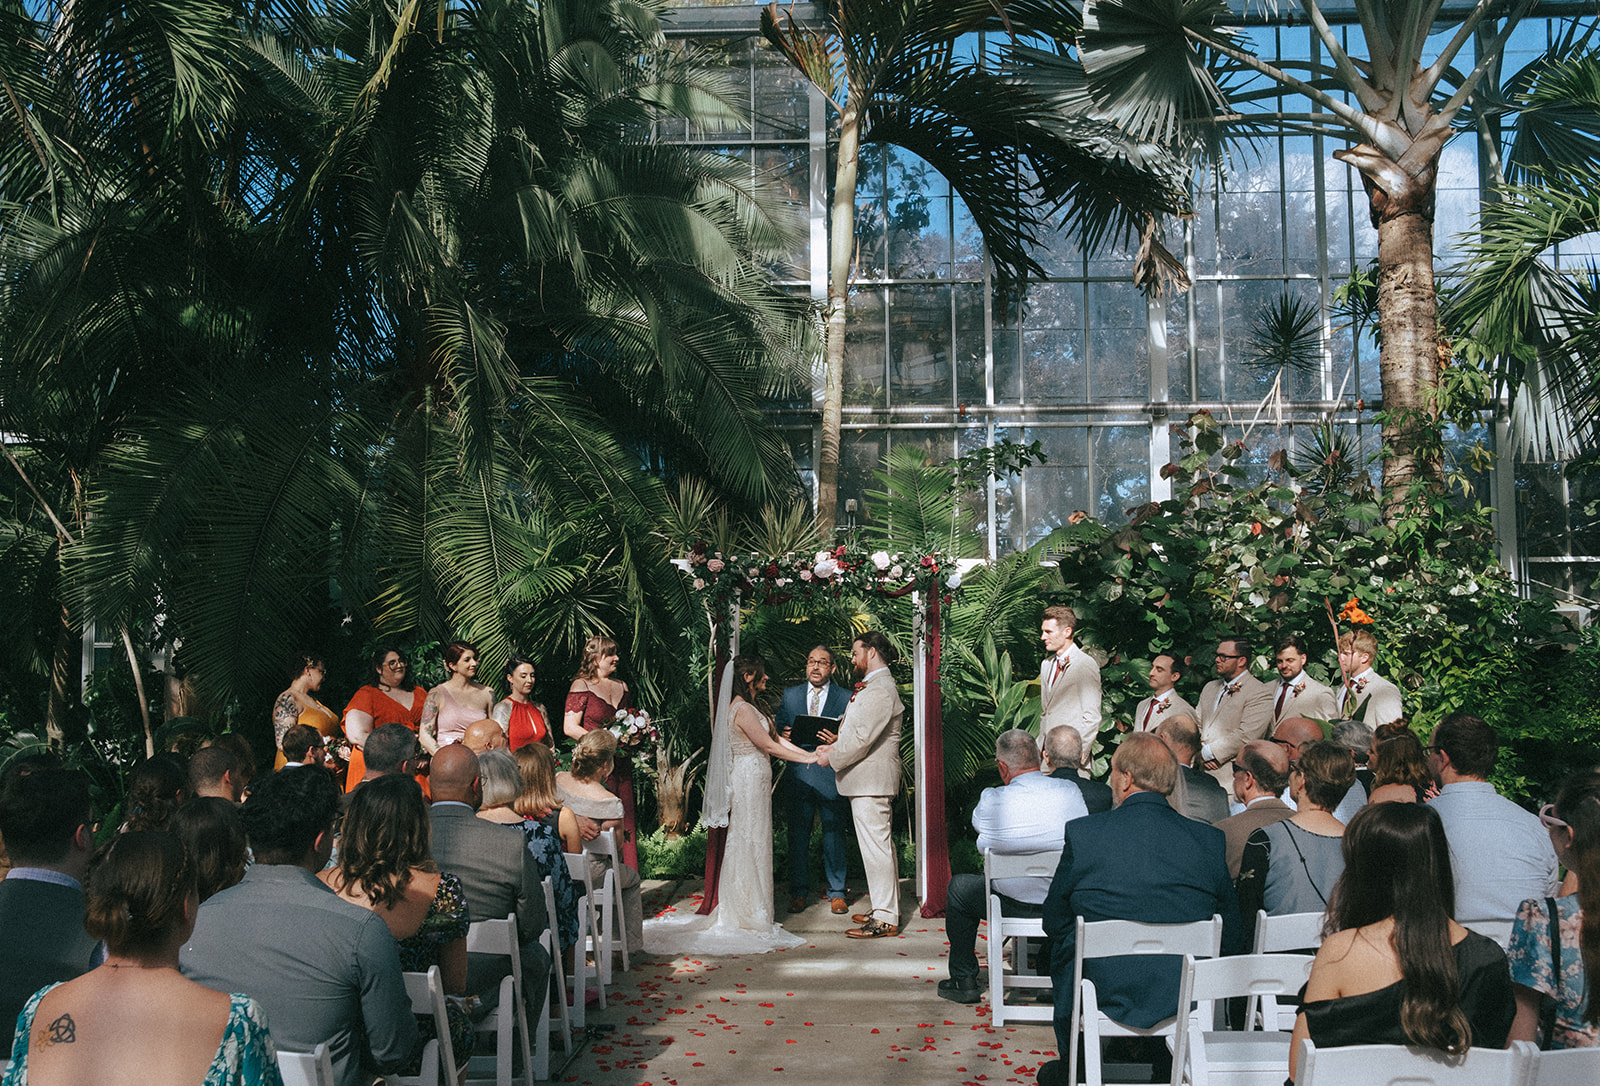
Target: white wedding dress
742	921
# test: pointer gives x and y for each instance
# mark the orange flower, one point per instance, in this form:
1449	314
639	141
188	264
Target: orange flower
1353	613
1255	529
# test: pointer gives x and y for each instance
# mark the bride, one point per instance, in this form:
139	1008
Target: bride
739	791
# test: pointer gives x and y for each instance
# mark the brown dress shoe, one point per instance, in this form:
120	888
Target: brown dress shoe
839	907
861	918
873	929
797	904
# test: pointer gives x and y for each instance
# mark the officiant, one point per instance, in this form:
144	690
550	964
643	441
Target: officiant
809	790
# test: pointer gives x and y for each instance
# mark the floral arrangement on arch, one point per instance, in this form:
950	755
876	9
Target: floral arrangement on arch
830	573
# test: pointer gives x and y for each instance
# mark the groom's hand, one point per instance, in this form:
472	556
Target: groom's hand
822	756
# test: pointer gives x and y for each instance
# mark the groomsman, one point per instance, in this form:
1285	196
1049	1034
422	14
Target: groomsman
1296	693
866	758
1069	680
811	790
1164	701
1235	708
1366	695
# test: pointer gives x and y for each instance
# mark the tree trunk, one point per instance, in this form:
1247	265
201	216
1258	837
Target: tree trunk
1408	358
62	672
841	243
672	791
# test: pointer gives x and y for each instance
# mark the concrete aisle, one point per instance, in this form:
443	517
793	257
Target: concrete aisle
837	1011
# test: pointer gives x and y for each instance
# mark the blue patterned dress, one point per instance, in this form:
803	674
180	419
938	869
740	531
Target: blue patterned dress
245	1057
1532	966
447	921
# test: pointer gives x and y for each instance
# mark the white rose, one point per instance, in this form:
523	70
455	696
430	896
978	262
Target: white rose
897	572
699	583
806	575
881	559
823	556
753	571
826	568
954	580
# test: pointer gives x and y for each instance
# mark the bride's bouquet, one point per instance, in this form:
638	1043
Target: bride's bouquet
634	730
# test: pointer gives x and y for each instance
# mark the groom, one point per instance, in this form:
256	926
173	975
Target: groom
866	763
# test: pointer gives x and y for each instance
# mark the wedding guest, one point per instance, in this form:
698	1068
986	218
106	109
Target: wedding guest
213	837
1396	968
1553	956
456	702
584	792
137	1010
522	794
1399	765
47	826
298	705
392	697
484	735
214	771
524	720
156	788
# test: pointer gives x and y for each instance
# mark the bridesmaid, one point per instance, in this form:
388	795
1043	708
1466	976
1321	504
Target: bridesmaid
592	702
297	706
523	719
392	697
458	701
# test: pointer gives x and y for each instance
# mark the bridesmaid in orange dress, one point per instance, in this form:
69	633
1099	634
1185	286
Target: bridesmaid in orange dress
592	702
392	697
297	706
523	719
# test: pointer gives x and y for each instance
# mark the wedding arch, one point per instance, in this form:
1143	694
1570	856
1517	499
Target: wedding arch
727	583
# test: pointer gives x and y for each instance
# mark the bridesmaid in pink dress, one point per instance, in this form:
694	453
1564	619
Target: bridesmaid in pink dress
592	702
456	702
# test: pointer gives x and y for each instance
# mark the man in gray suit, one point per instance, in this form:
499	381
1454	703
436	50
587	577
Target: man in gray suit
1235	708
1069	680
46	823
1196	794
866	763
322	969
497	872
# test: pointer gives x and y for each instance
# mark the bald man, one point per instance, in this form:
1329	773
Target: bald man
483	735
497	872
1293	735
1260	772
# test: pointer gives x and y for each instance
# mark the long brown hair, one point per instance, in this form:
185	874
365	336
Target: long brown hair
386	837
1578	805
748	667
1397	864
538	766
135	890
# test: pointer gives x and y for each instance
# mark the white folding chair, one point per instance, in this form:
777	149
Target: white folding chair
1498	930
1246	1058
616	930
589	940
561	1021
426	992
508	1022
1274	935
1019	929
1409	1065
314	1068
1116	938
1567	1067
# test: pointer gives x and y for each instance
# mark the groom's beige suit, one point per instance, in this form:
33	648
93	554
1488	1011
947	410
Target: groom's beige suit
866	764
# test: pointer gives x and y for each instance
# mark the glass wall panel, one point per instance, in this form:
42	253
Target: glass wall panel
1053	366
969	350
1119	343
1121	459
921	367
864	361
919	219
1052	491
861	452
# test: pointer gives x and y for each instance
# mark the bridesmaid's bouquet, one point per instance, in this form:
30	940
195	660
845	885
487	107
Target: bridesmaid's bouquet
634	730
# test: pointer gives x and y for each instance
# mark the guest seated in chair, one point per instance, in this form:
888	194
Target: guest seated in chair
1396	969
583	792
1027	813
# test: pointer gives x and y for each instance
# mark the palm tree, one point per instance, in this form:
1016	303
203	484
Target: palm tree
1154	66
893	74
383	312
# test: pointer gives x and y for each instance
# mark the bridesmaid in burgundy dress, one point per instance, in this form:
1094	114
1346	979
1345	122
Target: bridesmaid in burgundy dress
592	702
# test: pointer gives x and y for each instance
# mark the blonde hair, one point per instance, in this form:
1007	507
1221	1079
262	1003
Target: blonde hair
594	755
597	646
1359	641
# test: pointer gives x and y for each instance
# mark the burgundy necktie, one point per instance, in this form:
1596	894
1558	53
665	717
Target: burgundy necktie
1144	725
1283	692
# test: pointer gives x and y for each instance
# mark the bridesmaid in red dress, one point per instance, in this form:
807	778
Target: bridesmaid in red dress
523	719
392	697
592	702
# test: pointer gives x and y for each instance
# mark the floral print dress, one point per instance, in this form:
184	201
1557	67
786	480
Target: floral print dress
1532	966
447	921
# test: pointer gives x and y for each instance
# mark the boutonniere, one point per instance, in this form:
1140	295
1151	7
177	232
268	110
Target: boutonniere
1297	689
859	687
1162	707
1360	684
1230	690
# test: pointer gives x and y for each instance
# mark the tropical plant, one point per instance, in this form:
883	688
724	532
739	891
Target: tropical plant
1154	67
894	73
409	309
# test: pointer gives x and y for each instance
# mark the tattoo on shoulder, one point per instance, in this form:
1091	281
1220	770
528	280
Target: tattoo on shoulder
63	1031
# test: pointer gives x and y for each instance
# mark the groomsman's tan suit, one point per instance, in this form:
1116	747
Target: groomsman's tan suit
1166	706
866	764
1379	695
1305	697
1230	720
1070	697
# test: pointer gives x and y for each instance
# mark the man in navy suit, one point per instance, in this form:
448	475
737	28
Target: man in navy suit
810	790
1139	861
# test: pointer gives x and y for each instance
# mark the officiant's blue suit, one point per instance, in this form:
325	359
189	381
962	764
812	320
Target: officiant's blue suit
809	791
